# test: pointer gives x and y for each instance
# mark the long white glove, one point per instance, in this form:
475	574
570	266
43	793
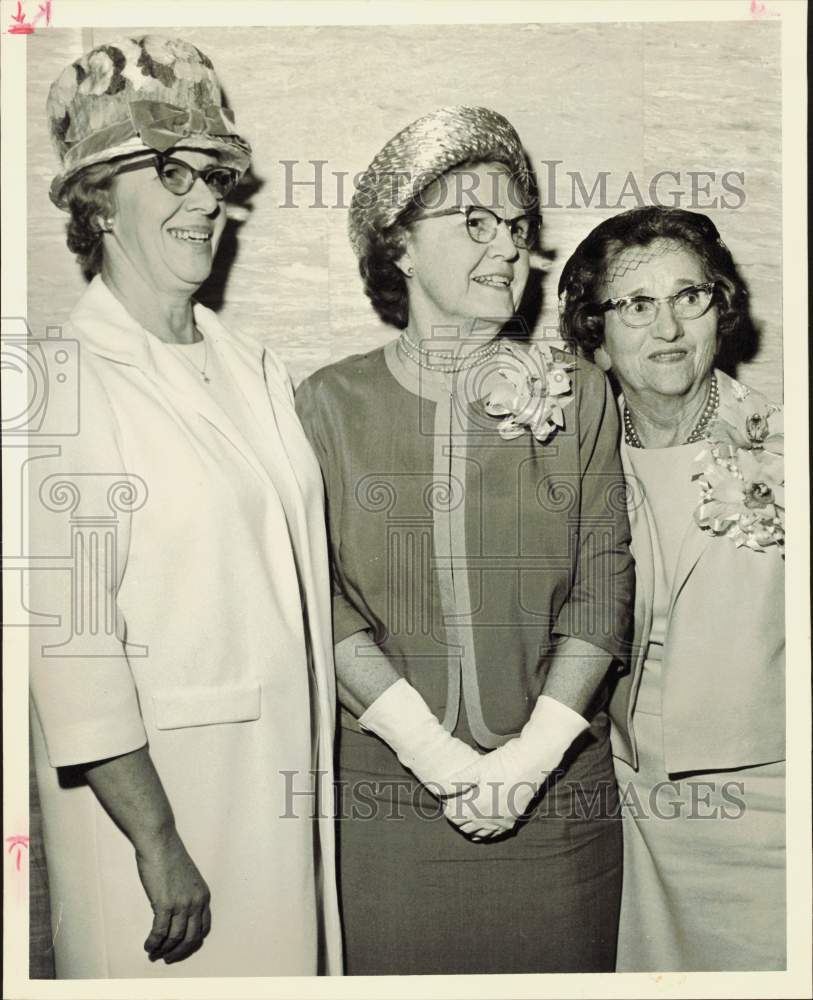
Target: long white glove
508	778
403	720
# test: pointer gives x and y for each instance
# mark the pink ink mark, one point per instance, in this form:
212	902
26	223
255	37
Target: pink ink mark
759	9
25	27
20	28
18	841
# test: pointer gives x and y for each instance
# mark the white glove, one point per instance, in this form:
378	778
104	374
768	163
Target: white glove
508	778
403	720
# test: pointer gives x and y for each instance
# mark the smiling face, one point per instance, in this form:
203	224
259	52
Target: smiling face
168	240
456	280
670	357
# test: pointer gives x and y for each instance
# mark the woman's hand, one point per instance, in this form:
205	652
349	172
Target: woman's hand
493	807
404	721
179	898
130	790
508	778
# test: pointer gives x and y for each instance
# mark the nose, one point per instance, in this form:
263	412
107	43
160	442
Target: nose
502	245
667	326
201	198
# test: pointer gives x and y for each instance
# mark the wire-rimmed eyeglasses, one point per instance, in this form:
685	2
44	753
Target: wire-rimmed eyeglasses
179	177
482	224
641	310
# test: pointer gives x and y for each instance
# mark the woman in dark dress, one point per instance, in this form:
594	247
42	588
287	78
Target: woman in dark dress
482	583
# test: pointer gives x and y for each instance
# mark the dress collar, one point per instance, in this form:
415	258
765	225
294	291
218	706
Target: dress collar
422	382
108	329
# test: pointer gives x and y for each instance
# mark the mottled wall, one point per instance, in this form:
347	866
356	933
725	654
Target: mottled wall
614	98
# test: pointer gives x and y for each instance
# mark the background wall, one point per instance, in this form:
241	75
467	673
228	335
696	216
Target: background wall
614	98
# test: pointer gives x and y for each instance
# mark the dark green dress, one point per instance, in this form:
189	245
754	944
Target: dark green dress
467	556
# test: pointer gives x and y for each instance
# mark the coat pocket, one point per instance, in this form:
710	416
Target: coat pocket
180	708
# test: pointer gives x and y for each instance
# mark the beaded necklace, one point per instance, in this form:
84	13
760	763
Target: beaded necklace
699	431
414	352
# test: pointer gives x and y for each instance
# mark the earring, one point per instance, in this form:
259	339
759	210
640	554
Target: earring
602	359
410	271
107	224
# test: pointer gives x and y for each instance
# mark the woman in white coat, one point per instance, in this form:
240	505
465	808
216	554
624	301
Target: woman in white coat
183	710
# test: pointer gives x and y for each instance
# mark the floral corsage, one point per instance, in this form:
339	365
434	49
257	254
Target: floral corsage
742	481
528	388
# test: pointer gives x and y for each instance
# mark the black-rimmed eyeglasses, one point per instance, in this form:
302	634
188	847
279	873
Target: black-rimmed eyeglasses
482	224
179	177
641	310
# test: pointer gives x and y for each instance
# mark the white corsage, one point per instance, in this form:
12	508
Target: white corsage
528	389
742	481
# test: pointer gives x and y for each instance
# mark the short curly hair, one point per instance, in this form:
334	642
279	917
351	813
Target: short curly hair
384	283
88	197
583	280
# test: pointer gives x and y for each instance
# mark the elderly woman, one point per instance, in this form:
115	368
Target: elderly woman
482	582
178	719
698	722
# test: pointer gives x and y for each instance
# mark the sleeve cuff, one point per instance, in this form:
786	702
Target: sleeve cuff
100	740
346	620
616	646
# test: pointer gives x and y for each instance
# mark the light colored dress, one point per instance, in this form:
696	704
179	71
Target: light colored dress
704	853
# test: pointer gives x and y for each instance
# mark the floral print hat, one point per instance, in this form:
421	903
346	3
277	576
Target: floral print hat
138	94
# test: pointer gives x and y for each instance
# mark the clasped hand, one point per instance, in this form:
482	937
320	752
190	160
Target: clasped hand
483	795
498	799
508	778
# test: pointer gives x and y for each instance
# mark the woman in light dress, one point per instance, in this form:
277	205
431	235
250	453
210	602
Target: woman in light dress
698	722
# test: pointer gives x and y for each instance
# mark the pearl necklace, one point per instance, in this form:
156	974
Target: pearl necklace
632	439
445	368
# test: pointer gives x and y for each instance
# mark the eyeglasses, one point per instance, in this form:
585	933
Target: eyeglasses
482	225
179	178
641	310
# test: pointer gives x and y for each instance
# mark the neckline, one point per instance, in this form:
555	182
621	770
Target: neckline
185	347
698	433
633	452
423	382
428	383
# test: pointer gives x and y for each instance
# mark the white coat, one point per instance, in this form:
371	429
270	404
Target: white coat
208	659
